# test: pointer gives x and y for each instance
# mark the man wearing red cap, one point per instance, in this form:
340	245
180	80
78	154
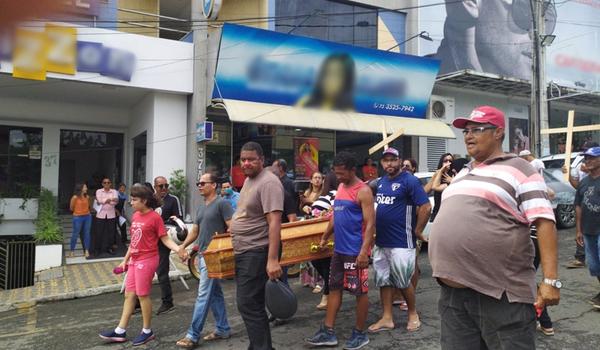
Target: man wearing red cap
479	244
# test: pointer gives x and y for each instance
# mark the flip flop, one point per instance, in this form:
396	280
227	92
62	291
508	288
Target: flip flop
413	326
214	336
403	306
186	343
380	329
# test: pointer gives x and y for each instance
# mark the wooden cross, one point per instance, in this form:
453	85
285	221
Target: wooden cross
569	130
385	139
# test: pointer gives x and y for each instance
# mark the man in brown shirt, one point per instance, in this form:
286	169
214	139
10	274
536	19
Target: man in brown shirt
255	228
479	245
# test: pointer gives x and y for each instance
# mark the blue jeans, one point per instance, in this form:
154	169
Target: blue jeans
592	254
210	295
82	222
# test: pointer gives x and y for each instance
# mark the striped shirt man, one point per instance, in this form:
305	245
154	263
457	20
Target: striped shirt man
480	238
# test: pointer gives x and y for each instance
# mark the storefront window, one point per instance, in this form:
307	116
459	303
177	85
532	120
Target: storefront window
305	150
558	119
218	150
20	161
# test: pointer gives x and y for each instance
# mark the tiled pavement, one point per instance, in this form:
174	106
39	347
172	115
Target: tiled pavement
78	281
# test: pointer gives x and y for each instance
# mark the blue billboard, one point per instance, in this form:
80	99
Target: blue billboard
265	66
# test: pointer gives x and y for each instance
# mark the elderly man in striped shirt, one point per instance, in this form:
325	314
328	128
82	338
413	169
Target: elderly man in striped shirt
480	249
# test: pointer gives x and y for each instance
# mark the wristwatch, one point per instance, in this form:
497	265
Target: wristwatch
554	283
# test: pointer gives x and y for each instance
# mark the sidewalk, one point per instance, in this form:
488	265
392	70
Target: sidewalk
77	281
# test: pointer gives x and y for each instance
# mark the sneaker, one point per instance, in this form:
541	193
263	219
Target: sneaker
357	341
164	308
113	336
546	331
595	301
575	264
324	337
143	338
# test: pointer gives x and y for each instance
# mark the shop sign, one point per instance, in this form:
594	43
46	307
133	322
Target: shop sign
211	8
97	58
270	67
57	50
204	131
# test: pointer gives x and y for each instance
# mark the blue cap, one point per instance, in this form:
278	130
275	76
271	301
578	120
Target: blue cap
392	151
592	151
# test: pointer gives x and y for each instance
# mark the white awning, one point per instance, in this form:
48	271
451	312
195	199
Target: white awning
265	113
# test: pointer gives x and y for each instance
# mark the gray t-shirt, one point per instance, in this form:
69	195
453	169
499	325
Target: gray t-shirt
260	195
211	220
588	198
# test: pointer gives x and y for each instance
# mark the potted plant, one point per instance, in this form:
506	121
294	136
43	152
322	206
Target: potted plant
48	233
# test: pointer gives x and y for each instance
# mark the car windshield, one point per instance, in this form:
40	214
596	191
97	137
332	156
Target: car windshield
549	177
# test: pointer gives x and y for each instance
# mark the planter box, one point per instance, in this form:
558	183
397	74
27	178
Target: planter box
48	256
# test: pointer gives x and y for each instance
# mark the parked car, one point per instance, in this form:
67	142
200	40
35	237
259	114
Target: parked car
555	162
563	202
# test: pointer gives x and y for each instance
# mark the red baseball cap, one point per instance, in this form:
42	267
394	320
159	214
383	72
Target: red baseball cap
482	115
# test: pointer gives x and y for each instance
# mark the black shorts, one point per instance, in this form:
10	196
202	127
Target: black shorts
345	275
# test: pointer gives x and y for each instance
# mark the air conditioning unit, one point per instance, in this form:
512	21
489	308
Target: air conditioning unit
441	109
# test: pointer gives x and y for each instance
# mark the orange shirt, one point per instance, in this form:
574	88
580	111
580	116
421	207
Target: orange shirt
80	206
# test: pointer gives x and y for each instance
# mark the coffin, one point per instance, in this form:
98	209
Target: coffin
299	239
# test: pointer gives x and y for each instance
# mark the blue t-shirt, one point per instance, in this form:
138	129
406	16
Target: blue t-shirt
397	201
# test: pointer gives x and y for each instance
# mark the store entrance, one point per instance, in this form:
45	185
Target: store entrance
87	157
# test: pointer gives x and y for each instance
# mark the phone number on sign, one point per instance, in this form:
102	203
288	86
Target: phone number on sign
394	107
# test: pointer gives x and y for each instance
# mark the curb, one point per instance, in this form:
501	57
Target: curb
84	293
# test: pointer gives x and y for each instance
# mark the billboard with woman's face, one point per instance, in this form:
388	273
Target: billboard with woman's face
494	36
265	66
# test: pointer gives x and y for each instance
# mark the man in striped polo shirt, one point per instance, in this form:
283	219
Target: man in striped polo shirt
479	245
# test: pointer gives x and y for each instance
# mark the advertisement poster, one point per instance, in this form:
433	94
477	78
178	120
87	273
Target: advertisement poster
270	67
306	157
519	129
494	36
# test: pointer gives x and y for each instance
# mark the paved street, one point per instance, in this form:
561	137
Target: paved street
74	324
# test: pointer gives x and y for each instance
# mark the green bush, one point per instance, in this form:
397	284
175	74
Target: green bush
178	186
47	225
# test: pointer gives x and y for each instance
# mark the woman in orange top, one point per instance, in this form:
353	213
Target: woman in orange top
82	219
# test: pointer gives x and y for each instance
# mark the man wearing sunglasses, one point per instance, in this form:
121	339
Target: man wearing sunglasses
479	245
170	207
587	212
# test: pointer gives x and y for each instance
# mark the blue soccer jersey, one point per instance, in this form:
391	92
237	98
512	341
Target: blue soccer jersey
397	201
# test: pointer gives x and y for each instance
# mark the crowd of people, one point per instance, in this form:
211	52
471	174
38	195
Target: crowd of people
496	209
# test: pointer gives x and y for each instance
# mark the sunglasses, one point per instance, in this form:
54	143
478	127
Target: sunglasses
106	182
163	186
202	183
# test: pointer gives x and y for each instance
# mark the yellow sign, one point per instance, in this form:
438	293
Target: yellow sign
29	56
62	49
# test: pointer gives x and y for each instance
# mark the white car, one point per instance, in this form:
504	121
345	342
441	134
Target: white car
555	162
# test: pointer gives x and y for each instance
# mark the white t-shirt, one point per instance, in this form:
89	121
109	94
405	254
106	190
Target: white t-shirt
538	165
577	174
